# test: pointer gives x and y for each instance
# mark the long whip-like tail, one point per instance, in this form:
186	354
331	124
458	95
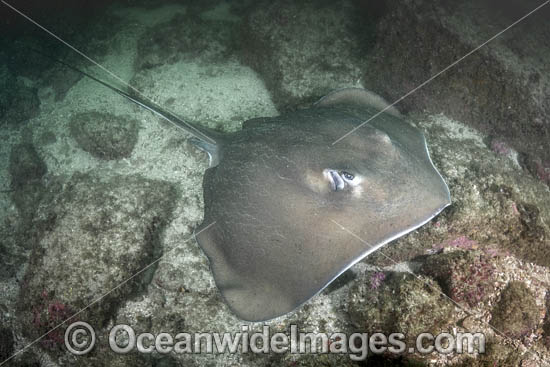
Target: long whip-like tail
201	133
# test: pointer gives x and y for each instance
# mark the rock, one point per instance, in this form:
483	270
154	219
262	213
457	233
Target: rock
25	166
502	89
7	80
17	101
502	287
185	37
496	354
317	360
105	357
305	49
467	277
24	105
103	135
401	302
11	259
6	343
95	234
496	206
476	284
516	313
61	80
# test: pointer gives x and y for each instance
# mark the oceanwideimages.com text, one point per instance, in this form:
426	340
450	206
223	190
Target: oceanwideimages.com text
123	339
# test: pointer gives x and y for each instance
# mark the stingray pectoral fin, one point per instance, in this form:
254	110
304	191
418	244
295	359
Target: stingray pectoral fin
359	97
248	297
207	235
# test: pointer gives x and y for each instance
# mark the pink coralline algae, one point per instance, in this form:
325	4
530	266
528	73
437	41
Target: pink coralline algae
466	276
543	171
462	242
47	316
377	279
465	243
473	286
500	147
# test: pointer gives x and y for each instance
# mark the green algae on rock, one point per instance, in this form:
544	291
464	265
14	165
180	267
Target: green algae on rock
401	303
516	313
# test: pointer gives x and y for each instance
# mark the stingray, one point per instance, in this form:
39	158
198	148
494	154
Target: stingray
282	192
286	211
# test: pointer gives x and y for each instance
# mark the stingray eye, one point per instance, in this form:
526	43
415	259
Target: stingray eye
348	176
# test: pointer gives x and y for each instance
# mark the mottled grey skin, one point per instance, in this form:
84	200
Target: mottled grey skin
274	243
278	191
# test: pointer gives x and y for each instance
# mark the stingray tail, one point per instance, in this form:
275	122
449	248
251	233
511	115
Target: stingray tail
208	137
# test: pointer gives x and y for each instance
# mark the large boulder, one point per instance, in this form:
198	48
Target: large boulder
305	49
96	234
501	89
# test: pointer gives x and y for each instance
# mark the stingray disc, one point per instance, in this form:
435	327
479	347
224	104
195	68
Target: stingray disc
281	186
